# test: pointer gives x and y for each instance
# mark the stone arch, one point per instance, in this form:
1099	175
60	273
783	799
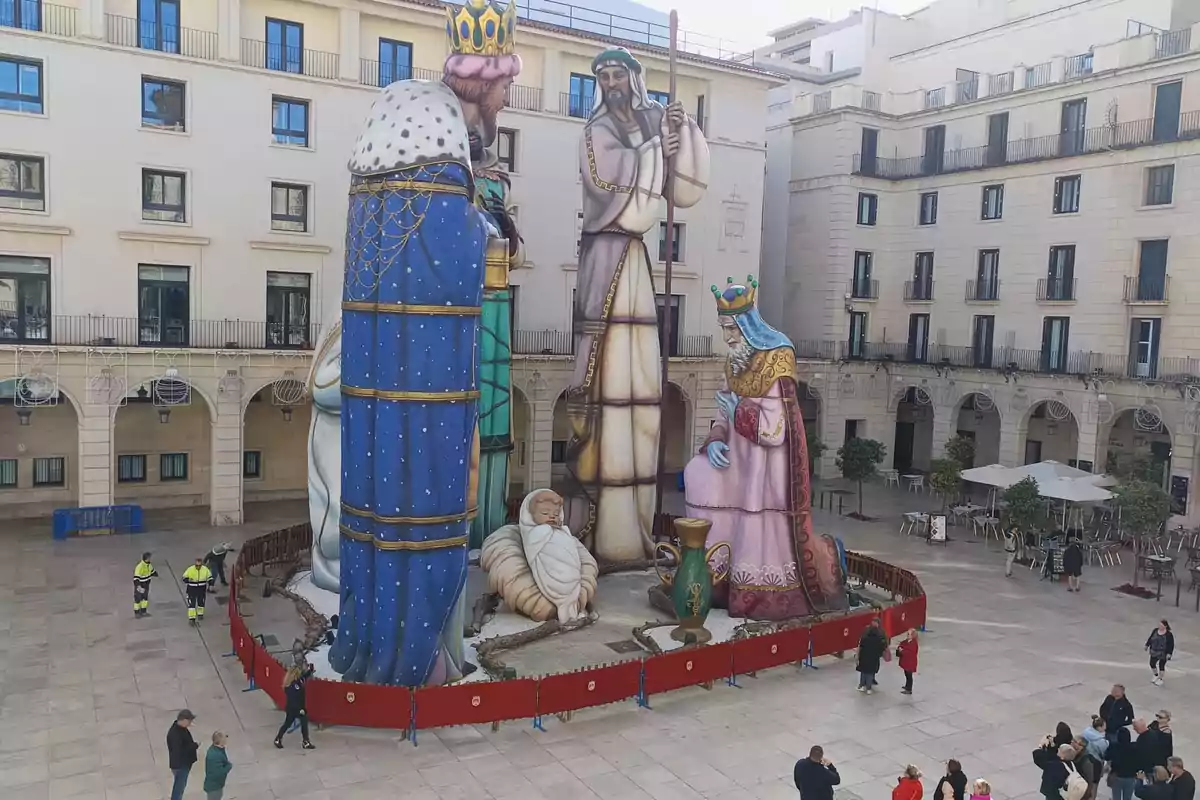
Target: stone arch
680	431
1135	446
978	416
275	444
40	457
194	388
915	414
1053	427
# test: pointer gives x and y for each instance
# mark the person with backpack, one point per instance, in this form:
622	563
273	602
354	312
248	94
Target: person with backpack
1124	760
1055	773
1161	646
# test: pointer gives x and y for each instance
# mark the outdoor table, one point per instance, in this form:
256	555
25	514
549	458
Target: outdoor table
1157	567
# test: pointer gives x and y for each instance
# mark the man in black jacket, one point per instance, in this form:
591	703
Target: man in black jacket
1183	785
1149	747
181	751
1054	770
816	776
1117	711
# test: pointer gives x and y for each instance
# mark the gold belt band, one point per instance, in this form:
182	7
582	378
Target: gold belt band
433	544
416	186
407	308
423	397
438	520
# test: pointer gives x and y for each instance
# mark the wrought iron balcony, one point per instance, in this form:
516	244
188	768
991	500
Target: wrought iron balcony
526	98
160	36
1147	289
574	105
864	289
983	291
543	343
380	73
286	58
105	331
1056	290
1122	136
918	291
1173	43
34	15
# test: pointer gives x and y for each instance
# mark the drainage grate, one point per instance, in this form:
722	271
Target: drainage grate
269	641
624	646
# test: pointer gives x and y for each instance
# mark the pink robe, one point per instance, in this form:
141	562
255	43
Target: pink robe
760	504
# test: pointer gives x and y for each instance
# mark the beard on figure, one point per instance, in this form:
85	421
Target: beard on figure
739	357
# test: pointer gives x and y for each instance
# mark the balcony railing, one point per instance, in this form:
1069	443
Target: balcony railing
225	334
966	91
574	105
1122	136
983	291
864	289
1038	75
543	343
285	58
1077	66
1173	43
1056	290
872	101
822	101
34	15
526	98
165	38
1001	83
694	346
1147	289
918	291
379	73
935	98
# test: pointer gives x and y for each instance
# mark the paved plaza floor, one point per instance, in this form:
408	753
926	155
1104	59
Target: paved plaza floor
87	692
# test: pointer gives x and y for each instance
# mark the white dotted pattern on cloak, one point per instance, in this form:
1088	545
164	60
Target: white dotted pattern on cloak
410	123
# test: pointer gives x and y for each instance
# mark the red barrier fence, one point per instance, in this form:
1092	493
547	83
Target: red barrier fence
368	705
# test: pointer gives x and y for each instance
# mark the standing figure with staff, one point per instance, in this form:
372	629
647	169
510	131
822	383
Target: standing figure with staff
634	155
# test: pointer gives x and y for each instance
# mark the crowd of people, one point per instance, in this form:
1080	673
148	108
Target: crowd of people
1145	767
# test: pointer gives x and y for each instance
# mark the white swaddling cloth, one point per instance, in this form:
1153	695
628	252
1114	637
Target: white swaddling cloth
553	557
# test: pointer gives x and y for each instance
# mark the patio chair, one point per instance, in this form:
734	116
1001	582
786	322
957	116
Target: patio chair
891	477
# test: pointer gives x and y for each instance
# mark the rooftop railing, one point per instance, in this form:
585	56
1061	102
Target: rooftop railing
34	15
286	58
105	331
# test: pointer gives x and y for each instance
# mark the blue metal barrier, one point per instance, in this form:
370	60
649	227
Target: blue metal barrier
113	519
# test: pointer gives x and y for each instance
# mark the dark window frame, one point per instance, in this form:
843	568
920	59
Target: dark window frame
285	217
983	335
132	459
1156	189
282	333
152	173
991	190
284	60
1053	361
678	249
48	463
252	465
22	194
872	209
179	458
918	350
1068	191
155	34
675	305
581	101
662	98
281	135
153	119
509	161
856	346
161	328
10	466
17	98
931	218
1060	285
987	290
20	323
390	70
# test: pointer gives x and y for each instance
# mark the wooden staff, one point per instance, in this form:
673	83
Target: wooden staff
669	242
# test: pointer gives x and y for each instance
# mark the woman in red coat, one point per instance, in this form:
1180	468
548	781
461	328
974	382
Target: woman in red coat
909	786
906	654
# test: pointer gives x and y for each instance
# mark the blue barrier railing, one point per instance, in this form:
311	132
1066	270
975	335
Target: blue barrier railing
113	519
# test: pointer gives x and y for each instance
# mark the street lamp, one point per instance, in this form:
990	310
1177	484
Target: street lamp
23	415
164	416
287	413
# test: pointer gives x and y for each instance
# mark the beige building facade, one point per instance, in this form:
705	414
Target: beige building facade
172	216
1006	252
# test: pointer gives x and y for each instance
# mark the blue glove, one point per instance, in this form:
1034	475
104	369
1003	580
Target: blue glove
727	401
718	454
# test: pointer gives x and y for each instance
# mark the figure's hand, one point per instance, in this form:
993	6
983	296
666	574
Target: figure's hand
675	117
670	144
718	454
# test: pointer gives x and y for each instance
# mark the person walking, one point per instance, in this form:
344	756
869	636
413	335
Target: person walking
143	572
1010	550
908	786
816	775
871	649
215	561
216	767
1117	711
293	690
1183	785
906	656
1073	564
181	752
953	785
195	581
1124	761
1161	646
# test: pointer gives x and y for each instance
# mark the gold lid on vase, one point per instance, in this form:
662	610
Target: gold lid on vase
692	532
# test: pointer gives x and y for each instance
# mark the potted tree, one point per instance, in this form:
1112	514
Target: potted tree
961	449
1144	508
816	449
859	460
1023	511
945	478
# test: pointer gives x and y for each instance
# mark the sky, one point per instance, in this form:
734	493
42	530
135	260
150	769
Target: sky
746	22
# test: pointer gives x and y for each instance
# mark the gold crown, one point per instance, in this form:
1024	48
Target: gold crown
481	28
736	298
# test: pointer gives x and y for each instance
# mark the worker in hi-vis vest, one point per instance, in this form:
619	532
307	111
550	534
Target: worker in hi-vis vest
195	581
142	574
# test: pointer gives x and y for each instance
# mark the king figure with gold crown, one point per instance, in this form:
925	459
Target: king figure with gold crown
403	382
751	477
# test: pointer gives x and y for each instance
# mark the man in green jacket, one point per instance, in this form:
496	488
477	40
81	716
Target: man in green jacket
216	767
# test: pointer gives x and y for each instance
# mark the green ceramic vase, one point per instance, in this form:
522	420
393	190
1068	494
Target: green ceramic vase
691	583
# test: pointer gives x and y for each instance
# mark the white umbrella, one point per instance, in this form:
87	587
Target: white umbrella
1049	470
991	475
1073	490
